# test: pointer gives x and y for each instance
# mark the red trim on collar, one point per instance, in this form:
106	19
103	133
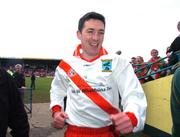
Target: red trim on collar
78	53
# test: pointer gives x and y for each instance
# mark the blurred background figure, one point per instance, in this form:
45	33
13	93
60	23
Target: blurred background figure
19	76
12	112
175	46
33	79
10	70
133	63
175	103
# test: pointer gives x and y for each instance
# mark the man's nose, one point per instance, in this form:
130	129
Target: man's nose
95	36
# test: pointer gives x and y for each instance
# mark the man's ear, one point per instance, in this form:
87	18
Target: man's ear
78	33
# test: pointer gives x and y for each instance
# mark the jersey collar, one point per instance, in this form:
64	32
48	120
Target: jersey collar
77	53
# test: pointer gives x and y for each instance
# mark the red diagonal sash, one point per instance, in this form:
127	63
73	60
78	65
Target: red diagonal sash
87	89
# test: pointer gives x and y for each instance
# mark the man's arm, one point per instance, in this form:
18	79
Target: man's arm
57	94
133	98
175	45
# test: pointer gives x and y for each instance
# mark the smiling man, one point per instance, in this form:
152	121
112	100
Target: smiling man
93	82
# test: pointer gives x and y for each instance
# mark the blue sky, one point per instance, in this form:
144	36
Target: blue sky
47	29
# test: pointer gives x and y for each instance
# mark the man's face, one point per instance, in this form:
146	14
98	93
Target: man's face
18	69
91	37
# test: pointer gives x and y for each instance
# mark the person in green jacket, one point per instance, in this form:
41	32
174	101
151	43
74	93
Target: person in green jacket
175	103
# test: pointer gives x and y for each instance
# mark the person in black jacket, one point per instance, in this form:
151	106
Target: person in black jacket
12	112
175	46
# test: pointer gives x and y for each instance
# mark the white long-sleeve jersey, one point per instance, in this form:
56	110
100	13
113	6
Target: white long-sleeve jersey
110	76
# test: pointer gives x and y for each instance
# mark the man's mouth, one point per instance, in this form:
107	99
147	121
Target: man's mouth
94	44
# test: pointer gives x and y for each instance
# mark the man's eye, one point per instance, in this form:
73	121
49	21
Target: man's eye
101	32
90	31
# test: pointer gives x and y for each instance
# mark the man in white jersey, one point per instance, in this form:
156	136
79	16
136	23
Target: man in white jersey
93	82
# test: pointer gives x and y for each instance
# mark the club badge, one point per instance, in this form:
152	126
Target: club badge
106	65
71	73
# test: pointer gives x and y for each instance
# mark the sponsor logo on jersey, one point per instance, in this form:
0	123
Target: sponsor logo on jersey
106	65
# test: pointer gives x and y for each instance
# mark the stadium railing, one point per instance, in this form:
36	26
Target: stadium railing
148	66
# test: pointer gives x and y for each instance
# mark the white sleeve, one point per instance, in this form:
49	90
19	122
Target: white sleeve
58	89
132	94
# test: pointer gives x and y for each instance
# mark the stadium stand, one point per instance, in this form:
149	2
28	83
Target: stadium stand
41	67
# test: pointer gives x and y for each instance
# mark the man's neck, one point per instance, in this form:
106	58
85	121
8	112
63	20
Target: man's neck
89	57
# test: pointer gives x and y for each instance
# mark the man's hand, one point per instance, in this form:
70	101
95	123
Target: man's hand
59	119
122	123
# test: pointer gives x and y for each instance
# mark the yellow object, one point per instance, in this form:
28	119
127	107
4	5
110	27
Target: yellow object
158	97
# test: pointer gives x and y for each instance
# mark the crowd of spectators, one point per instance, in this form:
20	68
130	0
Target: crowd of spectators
38	72
154	68
157	66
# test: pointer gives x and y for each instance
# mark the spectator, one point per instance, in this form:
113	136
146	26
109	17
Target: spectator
92	95
141	69
175	46
10	70
19	76
33	78
156	66
134	62
12	112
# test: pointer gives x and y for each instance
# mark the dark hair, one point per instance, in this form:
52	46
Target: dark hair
88	16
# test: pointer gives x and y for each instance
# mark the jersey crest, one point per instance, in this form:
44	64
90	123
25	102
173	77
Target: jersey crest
106	65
